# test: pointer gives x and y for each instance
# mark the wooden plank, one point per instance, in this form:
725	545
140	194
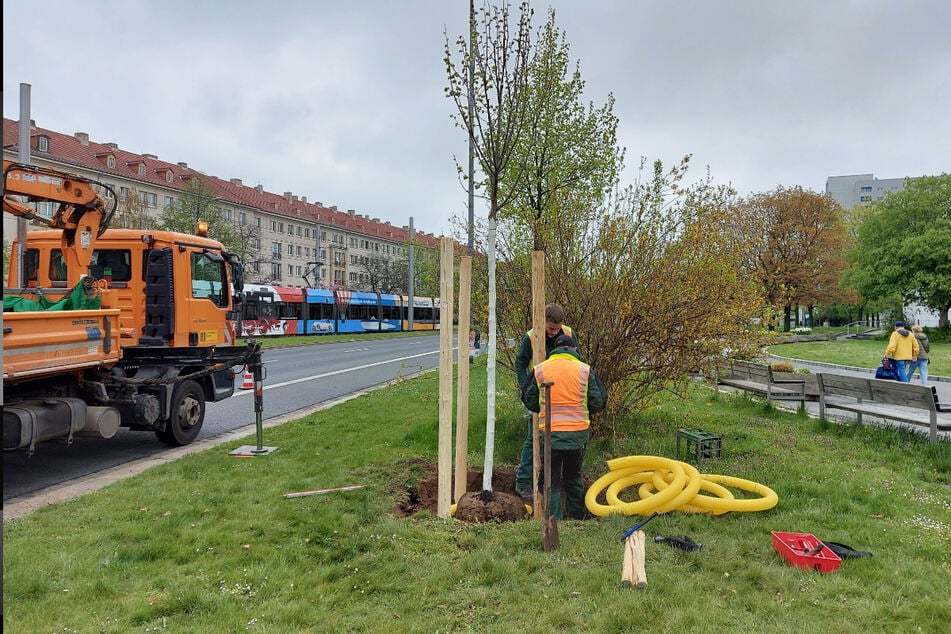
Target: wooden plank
538	355
462	374
444	475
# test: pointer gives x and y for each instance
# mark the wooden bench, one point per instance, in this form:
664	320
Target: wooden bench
759	378
881	398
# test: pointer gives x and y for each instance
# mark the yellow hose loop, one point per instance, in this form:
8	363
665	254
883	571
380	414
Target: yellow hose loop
668	485
768	498
662	502
698	503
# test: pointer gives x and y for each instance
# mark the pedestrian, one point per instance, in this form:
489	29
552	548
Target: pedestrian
576	393
924	348
524	363
902	349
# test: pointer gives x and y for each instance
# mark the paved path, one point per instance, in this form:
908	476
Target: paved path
942	387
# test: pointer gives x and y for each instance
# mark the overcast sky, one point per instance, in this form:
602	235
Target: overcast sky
343	102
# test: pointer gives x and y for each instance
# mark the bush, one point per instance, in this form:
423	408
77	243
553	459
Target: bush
782	366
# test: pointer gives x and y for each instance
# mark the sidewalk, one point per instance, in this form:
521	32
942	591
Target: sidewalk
942	387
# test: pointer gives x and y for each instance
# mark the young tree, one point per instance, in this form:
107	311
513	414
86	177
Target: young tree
197	202
132	212
494	118
903	247
566	148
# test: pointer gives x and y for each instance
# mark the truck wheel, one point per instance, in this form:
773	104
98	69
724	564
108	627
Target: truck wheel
186	415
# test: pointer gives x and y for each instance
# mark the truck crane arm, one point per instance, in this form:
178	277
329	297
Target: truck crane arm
81	214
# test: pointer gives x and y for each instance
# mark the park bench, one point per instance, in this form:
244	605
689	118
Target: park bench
893	400
758	378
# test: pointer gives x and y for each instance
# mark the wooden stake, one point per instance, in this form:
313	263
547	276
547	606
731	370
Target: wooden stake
633	571
300	494
538	355
444	478
462	370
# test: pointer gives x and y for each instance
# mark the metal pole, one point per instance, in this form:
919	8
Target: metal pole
23	156
471	109
412	275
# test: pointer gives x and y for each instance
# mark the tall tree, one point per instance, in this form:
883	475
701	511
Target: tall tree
494	120
903	246
794	241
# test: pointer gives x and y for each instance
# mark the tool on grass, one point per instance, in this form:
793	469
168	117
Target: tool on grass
638	526
550	539
683	543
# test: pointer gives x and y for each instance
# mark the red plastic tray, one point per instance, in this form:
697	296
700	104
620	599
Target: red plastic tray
799	549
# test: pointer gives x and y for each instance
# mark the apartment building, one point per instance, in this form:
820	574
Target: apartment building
856	189
288	232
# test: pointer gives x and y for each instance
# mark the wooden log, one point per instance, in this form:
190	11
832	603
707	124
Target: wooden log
633	571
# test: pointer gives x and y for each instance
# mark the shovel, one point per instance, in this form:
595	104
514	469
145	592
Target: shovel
549	521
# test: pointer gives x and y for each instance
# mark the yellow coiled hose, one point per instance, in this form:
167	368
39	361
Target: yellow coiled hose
671	485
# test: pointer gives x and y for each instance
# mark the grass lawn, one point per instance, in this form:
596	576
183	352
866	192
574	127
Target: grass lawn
859	353
209	544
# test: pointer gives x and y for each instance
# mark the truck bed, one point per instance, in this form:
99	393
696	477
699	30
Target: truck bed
46	343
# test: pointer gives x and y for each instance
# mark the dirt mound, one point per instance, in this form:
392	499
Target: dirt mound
475	505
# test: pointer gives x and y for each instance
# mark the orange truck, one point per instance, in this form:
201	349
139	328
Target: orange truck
114	327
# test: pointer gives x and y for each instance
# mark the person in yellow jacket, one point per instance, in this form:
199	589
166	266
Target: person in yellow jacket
577	392
902	348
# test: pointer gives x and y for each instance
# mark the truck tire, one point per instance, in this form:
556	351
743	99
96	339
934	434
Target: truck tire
186	414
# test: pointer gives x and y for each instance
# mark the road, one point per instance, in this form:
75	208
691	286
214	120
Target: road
296	380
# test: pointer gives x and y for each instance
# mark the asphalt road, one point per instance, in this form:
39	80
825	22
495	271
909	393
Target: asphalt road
297	380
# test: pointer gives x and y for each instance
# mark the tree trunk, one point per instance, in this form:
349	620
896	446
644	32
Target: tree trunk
490	366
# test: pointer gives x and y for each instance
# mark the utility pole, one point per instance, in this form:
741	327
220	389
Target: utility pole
412	274
23	156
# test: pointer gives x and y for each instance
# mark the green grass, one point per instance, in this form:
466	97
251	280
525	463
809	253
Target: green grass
209	544
859	353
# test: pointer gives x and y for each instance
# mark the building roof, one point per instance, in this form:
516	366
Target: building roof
79	151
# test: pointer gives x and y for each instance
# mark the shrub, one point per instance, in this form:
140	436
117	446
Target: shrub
782	366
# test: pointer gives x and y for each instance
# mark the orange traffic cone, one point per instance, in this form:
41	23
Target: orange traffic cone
248	382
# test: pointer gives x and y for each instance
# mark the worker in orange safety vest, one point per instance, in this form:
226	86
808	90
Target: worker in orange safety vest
577	392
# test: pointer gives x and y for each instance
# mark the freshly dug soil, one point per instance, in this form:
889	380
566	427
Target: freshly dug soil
476	505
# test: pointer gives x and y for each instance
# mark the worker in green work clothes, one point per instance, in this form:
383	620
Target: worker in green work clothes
576	393
524	364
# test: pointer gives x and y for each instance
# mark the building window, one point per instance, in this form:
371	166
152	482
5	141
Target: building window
43	143
298	231
276	271
273	226
298	250
242	218
141	169
257	222
169	177
111	162
123	193
280	227
290	229
169	202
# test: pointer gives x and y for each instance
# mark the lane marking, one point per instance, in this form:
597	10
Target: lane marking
336	372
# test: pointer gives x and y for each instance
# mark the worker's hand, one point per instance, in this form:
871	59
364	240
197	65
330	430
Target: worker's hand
914	359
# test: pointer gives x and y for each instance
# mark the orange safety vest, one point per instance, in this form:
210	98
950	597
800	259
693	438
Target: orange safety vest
531	339
569	394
